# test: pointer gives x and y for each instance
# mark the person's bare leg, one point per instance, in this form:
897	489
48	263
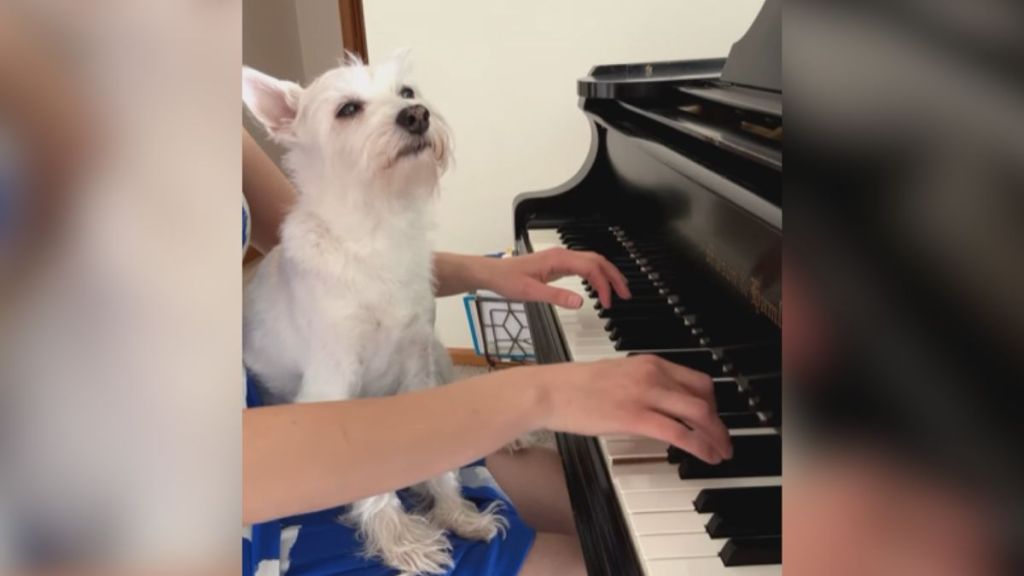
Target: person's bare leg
533	480
554	555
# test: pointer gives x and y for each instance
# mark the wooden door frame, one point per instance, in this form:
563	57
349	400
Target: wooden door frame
353	28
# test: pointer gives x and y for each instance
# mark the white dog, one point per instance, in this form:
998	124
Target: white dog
344	307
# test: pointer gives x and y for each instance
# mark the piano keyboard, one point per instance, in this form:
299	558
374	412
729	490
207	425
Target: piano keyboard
686	518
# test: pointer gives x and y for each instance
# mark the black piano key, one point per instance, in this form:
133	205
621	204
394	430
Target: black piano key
768	392
628	318
654	341
757	515
651	325
652	310
644	328
759	455
730	398
711	500
636	300
661	263
606	251
699	360
595	244
635	289
654	323
587	222
728	329
737	420
773	418
749	551
756	359
753	522
630	269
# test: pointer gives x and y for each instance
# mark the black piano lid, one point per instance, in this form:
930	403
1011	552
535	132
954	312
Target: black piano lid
755	60
698	78
646	80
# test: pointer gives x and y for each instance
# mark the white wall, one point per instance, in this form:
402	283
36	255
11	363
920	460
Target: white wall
270	43
296	40
319	35
503	72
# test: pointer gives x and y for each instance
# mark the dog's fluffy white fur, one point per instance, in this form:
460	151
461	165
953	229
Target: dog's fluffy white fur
344	307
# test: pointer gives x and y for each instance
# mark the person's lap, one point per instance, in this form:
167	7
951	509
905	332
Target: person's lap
541	539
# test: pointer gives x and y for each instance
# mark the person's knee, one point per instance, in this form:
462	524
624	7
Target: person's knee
554	555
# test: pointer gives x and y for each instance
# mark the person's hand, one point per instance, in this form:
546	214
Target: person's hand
526	277
642	395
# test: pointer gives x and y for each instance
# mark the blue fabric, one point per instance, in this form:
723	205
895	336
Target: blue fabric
325	547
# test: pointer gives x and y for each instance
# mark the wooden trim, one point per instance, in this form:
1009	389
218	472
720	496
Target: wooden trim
469	357
353	28
252	253
466	357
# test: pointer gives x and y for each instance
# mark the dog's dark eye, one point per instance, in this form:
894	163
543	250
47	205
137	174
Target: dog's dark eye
407	92
349	109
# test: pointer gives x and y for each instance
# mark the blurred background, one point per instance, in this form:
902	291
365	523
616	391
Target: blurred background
120	298
903	280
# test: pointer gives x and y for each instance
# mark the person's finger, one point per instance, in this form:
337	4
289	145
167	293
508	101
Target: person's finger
693	380
536	291
697	413
590	269
585	265
661	427
618	280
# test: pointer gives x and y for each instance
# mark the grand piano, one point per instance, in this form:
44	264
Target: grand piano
682	190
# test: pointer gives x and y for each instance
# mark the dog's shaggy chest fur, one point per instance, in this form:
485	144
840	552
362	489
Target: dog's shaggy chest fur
370	287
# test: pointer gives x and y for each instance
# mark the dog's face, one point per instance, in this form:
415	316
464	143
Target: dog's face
365	122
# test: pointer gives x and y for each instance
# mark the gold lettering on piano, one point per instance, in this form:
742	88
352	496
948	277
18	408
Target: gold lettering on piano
750	287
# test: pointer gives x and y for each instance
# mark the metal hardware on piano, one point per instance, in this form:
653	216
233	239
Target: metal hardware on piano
682	189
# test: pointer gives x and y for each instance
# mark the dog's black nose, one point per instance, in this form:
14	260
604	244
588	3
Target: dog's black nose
415	118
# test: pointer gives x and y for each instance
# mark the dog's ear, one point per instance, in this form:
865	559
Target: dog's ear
273	102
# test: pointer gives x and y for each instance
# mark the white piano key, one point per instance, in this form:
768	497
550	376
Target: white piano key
543	238
650	523
594	353
658	501
705	567
633	447
618	445
678	546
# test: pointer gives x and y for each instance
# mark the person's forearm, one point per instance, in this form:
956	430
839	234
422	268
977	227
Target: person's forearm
458	273
268	191
305	457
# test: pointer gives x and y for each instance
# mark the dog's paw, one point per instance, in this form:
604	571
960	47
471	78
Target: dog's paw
535	438
412	545
468	522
